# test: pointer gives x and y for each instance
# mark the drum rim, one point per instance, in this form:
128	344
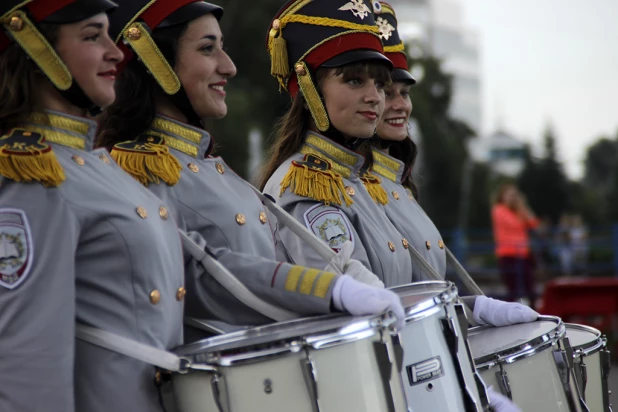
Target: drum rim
422	309
522	350
591	347
217	350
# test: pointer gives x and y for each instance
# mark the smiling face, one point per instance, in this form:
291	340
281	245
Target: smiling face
91	56
393	124
354	101
203	67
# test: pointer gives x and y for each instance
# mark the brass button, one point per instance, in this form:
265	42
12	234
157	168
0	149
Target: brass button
16	23
163	212
104	159
150	139
410	195
193	167
78	160
180	293
300	70
276	24
405	243
441	244
350	190
133	33
391	246
155	296
240	219
395	195
220	168
428	245
263	218
141	212
158	377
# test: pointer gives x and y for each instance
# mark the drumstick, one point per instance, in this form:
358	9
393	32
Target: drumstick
434	275
462	274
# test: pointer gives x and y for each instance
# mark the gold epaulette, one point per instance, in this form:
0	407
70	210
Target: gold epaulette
373	184
312	177
25	157
148	160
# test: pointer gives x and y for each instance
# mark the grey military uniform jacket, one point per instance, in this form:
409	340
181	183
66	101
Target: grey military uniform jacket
377	243
407	215
211	201
93	250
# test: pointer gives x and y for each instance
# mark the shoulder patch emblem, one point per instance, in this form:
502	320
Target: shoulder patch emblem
329	224
25	157
148	160
16	248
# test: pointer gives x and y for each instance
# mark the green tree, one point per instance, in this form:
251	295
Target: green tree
443	147
544	182
253	97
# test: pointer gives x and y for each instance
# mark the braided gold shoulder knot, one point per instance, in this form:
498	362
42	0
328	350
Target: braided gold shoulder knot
148	160
314	178
26	157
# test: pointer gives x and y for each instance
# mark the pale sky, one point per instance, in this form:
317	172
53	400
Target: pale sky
545	60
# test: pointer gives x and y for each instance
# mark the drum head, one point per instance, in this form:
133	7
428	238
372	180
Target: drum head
487	342
278	334
582	337
423	295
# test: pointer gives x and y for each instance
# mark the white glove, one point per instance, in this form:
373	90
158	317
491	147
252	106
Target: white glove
359	299
499	313
501	403
343	265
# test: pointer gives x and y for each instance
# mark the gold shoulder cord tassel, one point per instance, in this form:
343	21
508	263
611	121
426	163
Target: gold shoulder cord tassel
147	162
25	157
373	184
321	185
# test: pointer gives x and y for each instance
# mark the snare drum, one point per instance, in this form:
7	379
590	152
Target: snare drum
592	364
529	363
328	364
438	372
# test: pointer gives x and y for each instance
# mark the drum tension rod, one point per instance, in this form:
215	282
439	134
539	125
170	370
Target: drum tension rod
503	381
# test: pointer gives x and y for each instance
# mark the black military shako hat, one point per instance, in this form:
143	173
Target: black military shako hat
131	27
20	20
307	34
386	20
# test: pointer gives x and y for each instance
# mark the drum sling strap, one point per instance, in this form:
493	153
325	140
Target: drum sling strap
133	349
231	283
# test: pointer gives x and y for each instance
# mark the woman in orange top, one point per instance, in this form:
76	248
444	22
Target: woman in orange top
512	219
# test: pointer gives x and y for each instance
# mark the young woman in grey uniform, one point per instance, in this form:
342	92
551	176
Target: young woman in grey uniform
327	55
169	152
80	240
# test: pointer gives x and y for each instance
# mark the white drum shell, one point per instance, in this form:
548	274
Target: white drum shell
582	337
348	379
532	372
422	340
534	382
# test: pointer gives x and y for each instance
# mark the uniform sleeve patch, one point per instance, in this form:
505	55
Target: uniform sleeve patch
329	224
16	250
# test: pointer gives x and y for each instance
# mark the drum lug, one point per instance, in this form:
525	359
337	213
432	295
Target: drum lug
452	340
503	382
568	351
311	379
398	351
606	363
215	384
583	372
564	371
385	366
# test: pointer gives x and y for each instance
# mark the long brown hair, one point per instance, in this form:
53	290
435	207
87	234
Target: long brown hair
133	111
406	151
289	133
18	82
